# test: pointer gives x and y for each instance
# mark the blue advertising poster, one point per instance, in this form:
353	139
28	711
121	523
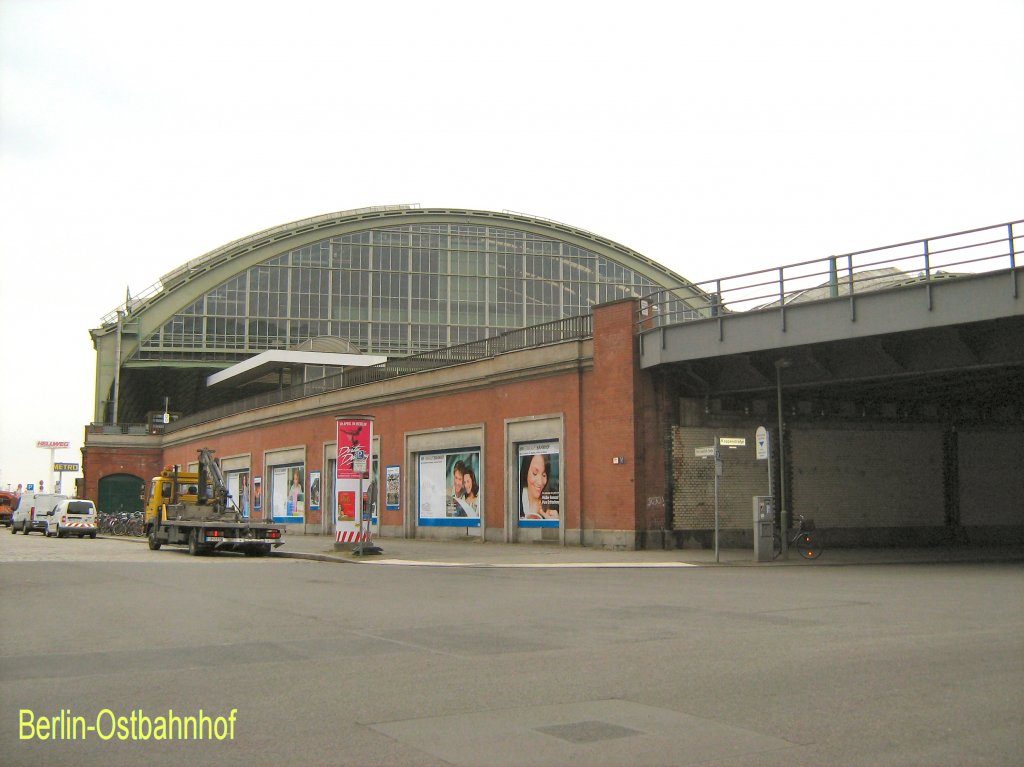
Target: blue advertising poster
539	485
449	488
393	487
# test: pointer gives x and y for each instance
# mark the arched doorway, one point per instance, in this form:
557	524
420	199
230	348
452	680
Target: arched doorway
121	492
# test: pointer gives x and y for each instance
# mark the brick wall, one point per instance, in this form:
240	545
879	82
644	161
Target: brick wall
610	428
99	462
656	408
865	483
594	396
694	479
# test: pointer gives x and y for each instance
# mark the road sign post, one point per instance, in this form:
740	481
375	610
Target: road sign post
60	468
761	443
53	445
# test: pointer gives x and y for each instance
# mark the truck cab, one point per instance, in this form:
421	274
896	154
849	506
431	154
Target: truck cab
162	490
8	502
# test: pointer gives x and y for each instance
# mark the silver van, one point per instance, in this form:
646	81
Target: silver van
33	510
73	516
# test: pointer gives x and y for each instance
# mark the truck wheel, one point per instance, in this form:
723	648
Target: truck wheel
154	544
24	529
193	543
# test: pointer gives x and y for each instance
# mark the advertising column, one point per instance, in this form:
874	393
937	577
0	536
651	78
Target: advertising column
355	440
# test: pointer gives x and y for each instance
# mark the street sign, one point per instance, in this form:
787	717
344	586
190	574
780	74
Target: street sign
761	442
704	452
359	461
733	441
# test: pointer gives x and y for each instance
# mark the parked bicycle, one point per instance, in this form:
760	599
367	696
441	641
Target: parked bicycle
123	523
803	538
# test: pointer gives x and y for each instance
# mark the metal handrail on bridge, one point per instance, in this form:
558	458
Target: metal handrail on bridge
949	256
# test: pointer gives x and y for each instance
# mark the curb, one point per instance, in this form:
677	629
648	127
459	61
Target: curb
311	557
995	558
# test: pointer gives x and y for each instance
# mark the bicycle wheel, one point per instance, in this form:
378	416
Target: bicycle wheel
808	545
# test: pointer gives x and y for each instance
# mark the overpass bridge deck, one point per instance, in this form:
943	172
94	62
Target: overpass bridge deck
952	281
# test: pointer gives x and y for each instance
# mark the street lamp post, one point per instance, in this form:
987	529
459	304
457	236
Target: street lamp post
783	512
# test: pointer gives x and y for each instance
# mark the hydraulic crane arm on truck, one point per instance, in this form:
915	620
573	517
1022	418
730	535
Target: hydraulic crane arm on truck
192	509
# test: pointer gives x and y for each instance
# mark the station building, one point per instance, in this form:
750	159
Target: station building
499	359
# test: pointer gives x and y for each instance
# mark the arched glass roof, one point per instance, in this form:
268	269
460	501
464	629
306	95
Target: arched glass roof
400	288
390	280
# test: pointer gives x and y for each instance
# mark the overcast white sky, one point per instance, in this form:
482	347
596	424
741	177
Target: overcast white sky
716	138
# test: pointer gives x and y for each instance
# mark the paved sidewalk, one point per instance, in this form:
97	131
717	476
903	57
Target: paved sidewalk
473	553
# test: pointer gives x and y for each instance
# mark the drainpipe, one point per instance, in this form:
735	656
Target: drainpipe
579	433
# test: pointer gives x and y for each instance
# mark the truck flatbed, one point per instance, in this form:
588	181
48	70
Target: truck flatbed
252	538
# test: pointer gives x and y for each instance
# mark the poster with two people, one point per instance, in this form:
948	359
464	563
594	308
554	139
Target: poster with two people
449	488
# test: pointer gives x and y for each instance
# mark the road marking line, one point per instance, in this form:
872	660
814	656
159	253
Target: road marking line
533	566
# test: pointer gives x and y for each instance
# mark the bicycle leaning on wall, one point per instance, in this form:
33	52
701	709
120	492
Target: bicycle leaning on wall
803	538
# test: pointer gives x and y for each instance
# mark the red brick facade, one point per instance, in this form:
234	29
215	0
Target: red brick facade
592	394
99	461
628	474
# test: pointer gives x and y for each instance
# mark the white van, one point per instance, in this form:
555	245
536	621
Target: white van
73	516
33	510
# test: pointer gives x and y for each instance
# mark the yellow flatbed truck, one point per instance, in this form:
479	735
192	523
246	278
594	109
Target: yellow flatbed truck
193	509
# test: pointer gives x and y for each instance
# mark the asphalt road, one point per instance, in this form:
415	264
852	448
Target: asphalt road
322	663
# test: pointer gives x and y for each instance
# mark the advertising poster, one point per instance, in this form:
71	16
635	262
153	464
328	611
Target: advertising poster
314	491
539	485
347	506
355	436
257	494
238	489
449	488
355	499
392	487
288	504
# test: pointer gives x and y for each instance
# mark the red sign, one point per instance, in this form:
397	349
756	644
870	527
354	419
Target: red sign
53	444
355	436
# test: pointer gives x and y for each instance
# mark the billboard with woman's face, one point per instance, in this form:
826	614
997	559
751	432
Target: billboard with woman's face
539	485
